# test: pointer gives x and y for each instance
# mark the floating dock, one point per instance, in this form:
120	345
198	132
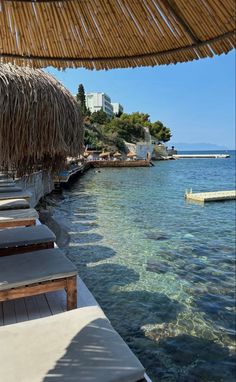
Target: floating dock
200	156
211	196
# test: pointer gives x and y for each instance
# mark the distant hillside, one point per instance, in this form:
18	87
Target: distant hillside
196	146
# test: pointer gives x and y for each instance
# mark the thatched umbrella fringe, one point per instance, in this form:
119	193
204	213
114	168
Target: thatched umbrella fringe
39	118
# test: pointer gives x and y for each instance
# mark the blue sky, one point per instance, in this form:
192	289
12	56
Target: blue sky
196	100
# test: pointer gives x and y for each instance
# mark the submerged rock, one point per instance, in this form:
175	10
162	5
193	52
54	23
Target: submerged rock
188	236
157	236
156	266
185	349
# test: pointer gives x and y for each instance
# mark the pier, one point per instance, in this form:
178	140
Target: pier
200	156
214	196
120	163
66	175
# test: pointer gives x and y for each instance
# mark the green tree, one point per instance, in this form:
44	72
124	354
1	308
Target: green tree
136	118
80	97
160	132
119	114
99	117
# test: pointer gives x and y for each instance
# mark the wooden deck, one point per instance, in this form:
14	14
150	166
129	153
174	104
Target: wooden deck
31	308
211	196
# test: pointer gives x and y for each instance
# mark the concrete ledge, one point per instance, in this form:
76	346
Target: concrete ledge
211	196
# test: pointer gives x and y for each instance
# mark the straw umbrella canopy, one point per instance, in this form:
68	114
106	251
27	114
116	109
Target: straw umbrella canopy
117	154
104	155
40	121
101	34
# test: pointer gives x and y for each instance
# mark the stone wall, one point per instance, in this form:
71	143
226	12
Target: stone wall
143	149
39	184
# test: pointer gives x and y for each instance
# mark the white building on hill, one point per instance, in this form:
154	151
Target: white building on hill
117	108
98	101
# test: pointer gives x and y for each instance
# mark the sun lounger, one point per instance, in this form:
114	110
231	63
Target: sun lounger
16	195
7	184
76	346
25	239
11	188
13	204
14	218
7	181
4	177
37	272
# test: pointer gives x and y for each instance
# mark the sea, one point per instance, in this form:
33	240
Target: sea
162	268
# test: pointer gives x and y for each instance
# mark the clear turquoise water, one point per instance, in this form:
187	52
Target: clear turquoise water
162	269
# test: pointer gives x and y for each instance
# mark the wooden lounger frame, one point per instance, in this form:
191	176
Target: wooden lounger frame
67	283
25	248
18	223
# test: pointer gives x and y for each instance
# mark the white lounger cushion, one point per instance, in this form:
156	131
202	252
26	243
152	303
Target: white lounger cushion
76	346
32	267
20	236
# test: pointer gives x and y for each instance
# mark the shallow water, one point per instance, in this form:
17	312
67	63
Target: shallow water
163	269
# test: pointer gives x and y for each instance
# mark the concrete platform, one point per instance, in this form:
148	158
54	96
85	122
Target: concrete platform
200	156
211	196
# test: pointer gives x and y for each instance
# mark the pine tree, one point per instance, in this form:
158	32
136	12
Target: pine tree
81	99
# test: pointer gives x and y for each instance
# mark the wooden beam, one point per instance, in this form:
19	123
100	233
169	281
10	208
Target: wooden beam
67	283
172	7
17	223
32	290
71	289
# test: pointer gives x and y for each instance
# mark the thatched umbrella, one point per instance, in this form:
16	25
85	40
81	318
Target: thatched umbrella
103	34
117	154
131	154
104	155
40	121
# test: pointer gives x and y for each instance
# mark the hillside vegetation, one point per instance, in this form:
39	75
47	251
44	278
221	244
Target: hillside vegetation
110	134
103	133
